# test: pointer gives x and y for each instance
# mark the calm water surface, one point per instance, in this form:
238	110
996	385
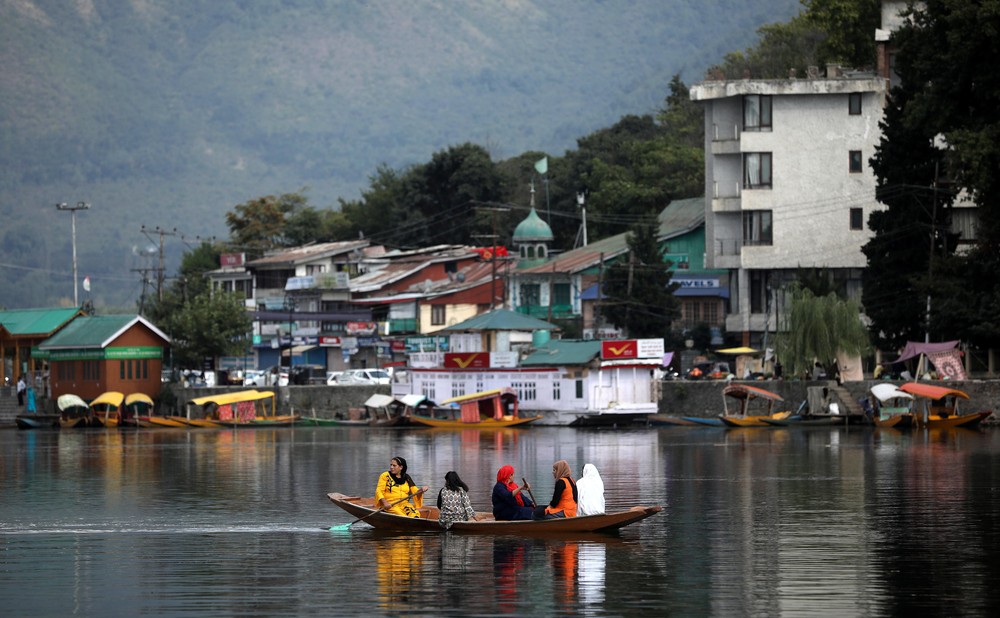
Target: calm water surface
822	521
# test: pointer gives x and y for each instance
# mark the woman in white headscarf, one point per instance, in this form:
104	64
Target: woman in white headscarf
591	491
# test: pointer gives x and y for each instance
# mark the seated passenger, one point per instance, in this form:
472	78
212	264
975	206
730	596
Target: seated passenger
590	488
453	501
396	492
564	495
509	502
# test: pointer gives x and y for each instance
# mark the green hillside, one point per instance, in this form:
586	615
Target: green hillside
167	114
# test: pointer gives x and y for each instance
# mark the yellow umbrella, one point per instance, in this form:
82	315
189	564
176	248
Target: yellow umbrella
740	350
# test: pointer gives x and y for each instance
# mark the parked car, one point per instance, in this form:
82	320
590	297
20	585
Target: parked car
308	374
364	376
254	377
331	377
272	376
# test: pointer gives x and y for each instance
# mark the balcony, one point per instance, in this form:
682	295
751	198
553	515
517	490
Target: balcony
542	311
403	326
726	196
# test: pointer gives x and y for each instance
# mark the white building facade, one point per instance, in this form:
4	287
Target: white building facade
788	185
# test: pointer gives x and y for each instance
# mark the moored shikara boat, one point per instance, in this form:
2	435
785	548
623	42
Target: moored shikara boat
239	409
106	409
806	420
36	421
493	409
937	406
73	411
485	524
747	396
892	406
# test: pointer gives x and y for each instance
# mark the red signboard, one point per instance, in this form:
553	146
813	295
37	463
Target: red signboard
231	259
622	348
467	360
329	341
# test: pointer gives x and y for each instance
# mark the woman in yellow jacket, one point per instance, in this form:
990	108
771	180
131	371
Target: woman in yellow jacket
396	492
564	496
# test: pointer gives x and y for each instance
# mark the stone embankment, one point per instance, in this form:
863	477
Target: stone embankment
678	397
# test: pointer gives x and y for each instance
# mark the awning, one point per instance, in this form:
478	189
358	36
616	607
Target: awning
300	349
740	350
378	401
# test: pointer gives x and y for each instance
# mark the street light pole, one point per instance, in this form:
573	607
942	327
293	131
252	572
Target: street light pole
72	210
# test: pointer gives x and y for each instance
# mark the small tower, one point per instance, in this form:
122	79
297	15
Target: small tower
532	237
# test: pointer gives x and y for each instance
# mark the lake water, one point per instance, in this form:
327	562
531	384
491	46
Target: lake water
774	521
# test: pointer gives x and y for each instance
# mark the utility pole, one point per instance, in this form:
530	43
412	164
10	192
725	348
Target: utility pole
493	254
160	271
581	200
72	210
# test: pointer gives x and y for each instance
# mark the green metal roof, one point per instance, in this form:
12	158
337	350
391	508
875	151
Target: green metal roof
559	352
501	319
94	332
43	321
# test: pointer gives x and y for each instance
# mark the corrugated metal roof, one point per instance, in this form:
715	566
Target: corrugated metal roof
42	321
310	252
95	331
681	217
559	352
501	319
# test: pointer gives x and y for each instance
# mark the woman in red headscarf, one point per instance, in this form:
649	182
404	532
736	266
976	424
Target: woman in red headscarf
509	502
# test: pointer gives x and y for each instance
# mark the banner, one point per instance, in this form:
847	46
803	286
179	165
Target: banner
948	364
467	360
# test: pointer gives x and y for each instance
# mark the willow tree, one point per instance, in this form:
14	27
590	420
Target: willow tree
819	327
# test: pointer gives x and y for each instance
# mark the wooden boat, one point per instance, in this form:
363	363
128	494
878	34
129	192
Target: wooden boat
698	420
662	420
381	411
806	420
240	409
485	524
36	421
936	407
749	398
73	411
892	407
106	409
493	409
136	406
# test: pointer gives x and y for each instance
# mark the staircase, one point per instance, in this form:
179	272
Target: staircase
848	405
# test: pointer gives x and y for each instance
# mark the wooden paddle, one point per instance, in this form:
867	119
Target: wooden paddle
528	487
379	510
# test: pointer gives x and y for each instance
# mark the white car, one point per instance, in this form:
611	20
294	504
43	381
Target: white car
331	377
363	376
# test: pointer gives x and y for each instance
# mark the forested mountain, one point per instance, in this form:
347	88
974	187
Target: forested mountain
168	114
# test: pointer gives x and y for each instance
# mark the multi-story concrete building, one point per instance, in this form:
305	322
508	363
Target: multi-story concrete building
787	184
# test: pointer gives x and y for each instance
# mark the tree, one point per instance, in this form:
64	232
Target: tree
819	327
259	225
939	136
209	326
638	292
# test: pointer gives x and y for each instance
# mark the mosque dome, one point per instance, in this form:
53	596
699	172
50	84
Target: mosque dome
532	229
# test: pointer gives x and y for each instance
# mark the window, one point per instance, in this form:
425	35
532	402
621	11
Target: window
560	294
756	112
854	104
760	288
437	315
857	219
530	295
856	164
579	389
757	170
757	227
556	390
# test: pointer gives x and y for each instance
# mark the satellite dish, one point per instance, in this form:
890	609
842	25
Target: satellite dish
460	277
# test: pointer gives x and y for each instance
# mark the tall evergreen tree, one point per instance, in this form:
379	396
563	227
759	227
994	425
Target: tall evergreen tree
638	292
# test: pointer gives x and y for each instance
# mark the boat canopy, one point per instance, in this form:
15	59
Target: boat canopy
930	391
912	349
412	400
478	396
134	398
221	399
742	391
111	398
378	401
886	392
66	402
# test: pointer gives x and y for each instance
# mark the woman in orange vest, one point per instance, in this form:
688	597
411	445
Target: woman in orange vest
564	496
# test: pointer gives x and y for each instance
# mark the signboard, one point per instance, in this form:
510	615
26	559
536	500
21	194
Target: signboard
232	260
631	348
426	360
329	341
427	344
618	349
467	360
695	283
361	328
504	360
